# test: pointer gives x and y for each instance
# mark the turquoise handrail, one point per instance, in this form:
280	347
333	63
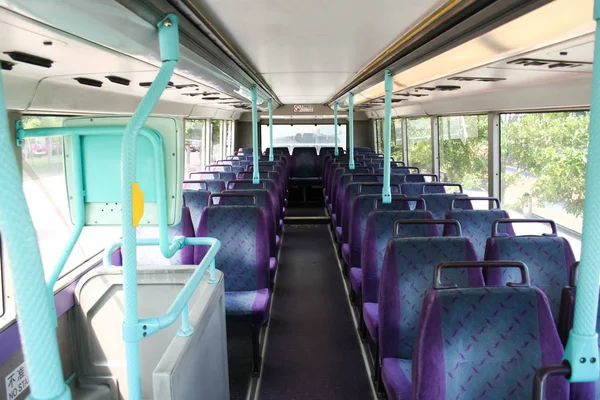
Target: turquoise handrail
155	139
271	155
582	347
386	193
255	171
147	326
351	128
335	128
169	48
36	328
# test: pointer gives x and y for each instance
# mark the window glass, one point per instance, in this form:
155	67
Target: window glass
194	149
397	149
217	144
543	160
228	138
418	131
46	195
379	135
290	136
464	152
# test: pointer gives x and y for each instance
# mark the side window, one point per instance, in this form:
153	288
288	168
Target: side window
194	146
420	153
46	195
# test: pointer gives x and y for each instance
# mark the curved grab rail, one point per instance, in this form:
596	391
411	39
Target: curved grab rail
147	326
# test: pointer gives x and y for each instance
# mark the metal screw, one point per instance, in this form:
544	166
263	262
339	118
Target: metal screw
592	360
167	22
582	360
145	333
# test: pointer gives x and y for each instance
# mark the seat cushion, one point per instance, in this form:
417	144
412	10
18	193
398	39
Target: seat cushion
356	280
338	234
371	318
346	253
396	376
251	306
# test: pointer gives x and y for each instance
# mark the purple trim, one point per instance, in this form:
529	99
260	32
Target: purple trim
428	369
493	276
10	340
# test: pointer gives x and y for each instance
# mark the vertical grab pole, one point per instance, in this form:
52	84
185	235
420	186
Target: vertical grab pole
351	122
255	173
386	193
582	347
271	156
169	52
335	128
36	326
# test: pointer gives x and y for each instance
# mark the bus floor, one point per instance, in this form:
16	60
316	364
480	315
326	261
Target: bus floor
312	348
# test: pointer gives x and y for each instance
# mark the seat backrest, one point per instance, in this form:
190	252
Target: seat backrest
379	229
246	184
246	151
244	254
414	189
362	206
406	274
548	258
195	200
263	200
352	191
218	168
485	343
305	162
440	203
216	185
477	226
152	255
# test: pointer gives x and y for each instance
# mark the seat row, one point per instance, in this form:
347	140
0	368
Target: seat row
403	300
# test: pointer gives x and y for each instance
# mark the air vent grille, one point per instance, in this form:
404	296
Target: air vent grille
118	80
7	65
30	59
552	64
89	82
475	79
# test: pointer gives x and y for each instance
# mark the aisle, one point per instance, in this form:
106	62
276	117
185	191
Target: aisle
312	349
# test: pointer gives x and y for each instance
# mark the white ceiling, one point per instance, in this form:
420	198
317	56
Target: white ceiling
306	50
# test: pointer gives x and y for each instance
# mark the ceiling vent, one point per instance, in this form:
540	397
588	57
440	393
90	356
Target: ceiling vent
30	59
118	80
7	65
414	94
475	79
147	84
447	88
89	82
552	64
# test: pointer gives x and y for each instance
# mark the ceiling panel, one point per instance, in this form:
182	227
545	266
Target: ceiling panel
300	46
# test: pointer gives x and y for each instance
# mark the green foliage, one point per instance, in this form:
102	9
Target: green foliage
552	148
464	151
418	132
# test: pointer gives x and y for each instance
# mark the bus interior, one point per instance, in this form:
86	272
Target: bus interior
342	199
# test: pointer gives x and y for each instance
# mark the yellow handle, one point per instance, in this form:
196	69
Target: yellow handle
137	200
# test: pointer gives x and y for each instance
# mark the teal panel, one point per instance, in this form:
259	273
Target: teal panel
102	168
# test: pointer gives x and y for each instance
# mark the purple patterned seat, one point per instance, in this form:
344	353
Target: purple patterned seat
548	258
483	343
152	255
379	229
263	200
353	189
243	258
336	182
246	151
407	273
264	184
195	200
477	226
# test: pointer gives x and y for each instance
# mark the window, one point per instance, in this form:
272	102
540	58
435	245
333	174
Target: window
397	145
46	195
464	152
194	149
418	132
228	138
295	135
379	135
216	142
543	161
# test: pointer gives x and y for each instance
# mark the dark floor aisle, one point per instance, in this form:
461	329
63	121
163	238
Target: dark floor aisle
312	350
